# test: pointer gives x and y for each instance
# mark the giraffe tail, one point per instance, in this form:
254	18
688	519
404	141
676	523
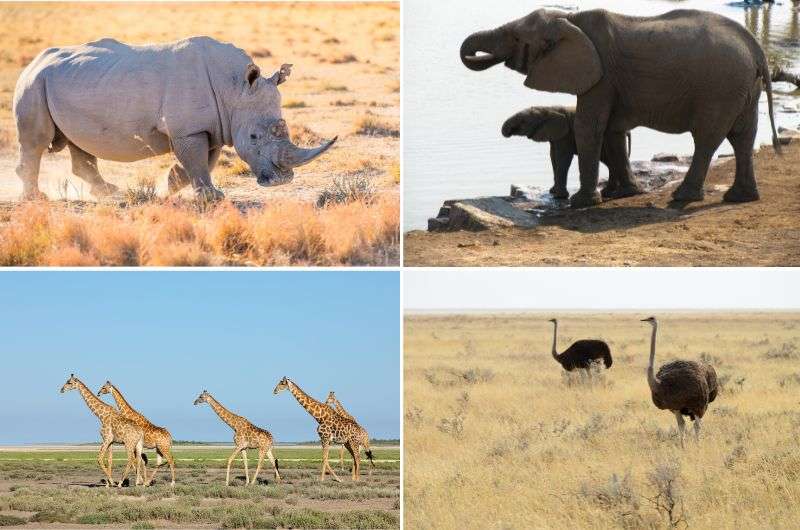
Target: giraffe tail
144	458
276	465
368	452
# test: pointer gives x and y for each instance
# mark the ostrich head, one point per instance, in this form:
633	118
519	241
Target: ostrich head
553	320
652	320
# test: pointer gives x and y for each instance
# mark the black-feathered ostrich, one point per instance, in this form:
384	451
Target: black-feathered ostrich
683	387
582	353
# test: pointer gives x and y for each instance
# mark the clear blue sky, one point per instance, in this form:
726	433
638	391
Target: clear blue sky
162	337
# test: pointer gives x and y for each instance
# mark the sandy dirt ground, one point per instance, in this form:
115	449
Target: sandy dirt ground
646	230
346	68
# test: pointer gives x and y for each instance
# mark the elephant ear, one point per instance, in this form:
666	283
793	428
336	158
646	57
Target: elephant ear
572	65
555	128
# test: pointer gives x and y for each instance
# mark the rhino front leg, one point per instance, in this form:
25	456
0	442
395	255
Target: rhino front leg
84	166
192	153
178	178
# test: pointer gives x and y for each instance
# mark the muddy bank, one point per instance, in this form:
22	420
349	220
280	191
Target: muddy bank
646	230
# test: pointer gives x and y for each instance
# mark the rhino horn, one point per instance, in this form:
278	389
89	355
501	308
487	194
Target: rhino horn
289	155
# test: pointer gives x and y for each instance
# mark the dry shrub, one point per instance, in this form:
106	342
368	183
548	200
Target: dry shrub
27	236
303	136
345	58
228	231
142	192
287	229
286	232
371	125
347	188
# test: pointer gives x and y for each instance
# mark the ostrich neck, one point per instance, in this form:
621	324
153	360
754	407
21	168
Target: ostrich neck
555	340
312	406
223	413
651	378
95	404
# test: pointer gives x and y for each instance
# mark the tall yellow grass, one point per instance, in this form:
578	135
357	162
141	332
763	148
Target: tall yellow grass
177	233
497	436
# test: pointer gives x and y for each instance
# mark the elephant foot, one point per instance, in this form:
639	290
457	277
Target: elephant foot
684	193
209	194
584	200
559	193
741	194
619	192
33	194
104	189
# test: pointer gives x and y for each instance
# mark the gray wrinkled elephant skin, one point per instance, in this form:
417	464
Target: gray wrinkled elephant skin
683	71
556	125
114	101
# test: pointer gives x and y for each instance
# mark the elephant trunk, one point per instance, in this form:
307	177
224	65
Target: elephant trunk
481	41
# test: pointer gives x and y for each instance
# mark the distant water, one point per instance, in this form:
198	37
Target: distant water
452	116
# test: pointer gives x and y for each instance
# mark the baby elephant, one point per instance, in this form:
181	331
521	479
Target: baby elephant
557	126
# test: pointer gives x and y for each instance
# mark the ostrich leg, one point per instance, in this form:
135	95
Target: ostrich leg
697	429
681	426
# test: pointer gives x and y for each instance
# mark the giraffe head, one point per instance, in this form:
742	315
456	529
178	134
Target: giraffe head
71	384
105	389
331	401
283	384
202	398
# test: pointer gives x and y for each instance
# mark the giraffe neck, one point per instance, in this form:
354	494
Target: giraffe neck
121	403
319	411
223	413
340	408
95	404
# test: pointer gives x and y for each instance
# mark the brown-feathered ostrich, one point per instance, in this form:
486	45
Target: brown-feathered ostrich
582	353
684	387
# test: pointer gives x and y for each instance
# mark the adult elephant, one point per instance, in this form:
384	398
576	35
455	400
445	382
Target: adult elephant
683	71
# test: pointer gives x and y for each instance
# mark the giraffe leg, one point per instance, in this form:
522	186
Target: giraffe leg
353	453
171	462
261	453
244	459
106	445
274	463
111	461
128	464
230	461
328	465
140	467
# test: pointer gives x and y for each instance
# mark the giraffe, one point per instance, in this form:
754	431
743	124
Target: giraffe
332	428
155	437
246	436
114	428
336	405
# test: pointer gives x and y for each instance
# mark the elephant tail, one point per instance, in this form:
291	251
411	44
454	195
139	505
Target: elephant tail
767	77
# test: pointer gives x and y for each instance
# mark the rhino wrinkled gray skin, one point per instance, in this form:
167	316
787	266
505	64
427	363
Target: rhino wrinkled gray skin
114	101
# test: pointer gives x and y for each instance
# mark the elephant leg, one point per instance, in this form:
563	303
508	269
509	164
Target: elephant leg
691	189
84	166
192	153
589	128
742	137
620	175
561	154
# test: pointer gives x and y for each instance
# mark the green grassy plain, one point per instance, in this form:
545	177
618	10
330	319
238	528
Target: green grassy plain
51	487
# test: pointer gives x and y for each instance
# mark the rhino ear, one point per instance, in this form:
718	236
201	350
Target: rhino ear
251	74
281	75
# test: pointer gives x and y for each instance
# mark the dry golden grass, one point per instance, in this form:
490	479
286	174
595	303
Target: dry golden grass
343	62
178	233
497	436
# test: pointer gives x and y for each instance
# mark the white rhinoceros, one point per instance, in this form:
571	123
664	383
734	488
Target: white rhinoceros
114	101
